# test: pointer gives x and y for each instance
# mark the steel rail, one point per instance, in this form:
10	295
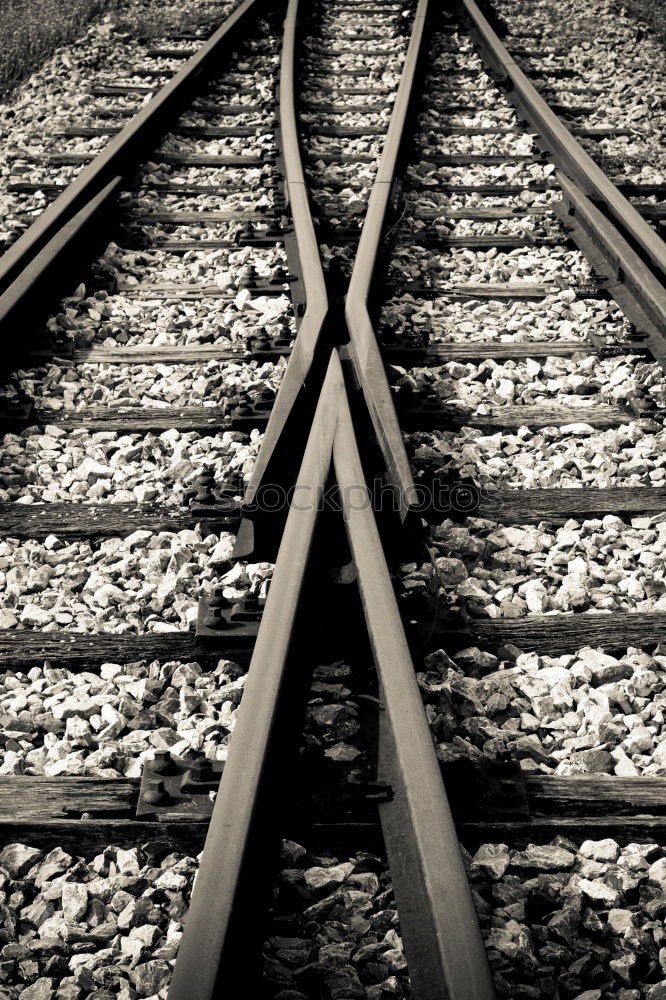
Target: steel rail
217	919
316	299
19	266
639	293
566	151
364	348
78	232
445	952
442	937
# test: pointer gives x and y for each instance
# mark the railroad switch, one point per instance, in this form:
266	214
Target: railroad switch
174	788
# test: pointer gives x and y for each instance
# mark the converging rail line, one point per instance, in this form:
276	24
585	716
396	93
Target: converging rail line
320	491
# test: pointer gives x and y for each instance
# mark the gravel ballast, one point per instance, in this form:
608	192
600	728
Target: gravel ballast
49	464
66	385
527	264
342	939
109	926
572	455
569	918
582	713
602	564
106	723
58	95
145	582
584	379
557	316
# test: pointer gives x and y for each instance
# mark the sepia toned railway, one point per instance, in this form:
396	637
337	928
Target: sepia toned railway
331	494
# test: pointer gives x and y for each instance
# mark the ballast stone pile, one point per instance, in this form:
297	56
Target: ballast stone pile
48	464
525	265
100	318
573	919
70	385
58	95
572	455
556	317
146	582
617	60
509	571
584	379
582	713
343	941
55	721
104	928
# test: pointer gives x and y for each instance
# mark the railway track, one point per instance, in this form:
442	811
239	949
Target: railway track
358	333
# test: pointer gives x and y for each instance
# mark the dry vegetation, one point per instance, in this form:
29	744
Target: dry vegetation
652	12
143	19
31	30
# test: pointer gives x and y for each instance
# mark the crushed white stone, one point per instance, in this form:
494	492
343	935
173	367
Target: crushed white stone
48	464
574	455
67	385
145	582
560	316
581	713
579	380
107	722
509	571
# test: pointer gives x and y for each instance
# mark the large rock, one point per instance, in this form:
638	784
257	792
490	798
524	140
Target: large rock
223	551
55	863
150	977
451	571
598	891
74	900
543	858
600	850
325	878
41	989
491	859
657	873
18	859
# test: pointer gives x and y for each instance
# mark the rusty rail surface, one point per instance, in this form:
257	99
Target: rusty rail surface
629	280
438	922
442	937
218	920
316	300
365	351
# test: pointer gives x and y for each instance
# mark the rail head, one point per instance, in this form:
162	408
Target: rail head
565	149
637	290
216	920
438	921
314	284
364	348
